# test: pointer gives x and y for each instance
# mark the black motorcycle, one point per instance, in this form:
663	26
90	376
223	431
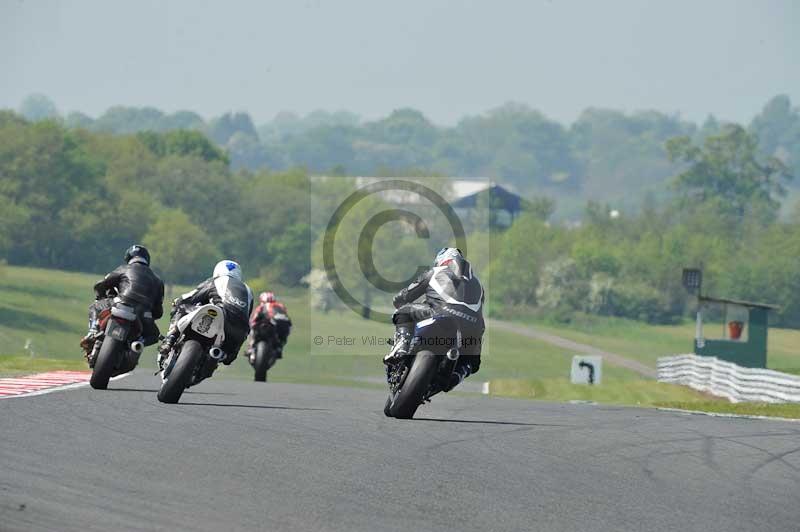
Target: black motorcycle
269	337
426	370
266	350
117	346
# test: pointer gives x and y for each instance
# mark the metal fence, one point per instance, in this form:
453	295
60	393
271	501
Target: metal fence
726	379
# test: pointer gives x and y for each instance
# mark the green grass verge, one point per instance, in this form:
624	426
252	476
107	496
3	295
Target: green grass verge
646	343
791	411
636	393
613	391
22	365
46	310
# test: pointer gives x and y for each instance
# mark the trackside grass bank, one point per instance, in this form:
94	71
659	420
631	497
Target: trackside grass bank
22	365
791	411
43	316
636	393
646	343
628	392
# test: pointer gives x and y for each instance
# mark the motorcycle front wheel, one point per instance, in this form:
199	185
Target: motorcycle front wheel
188	359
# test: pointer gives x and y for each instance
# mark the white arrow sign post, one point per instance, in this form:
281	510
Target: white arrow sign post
586	370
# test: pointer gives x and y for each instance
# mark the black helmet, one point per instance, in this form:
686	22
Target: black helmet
137	252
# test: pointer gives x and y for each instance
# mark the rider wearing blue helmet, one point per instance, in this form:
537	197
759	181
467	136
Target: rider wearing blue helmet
225	288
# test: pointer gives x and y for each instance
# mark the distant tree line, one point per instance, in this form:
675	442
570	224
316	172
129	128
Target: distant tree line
74	198
723	217
604	155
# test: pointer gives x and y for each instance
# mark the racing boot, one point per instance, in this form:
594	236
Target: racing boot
166	345
279	349
168	342
401	343
461	372
87	342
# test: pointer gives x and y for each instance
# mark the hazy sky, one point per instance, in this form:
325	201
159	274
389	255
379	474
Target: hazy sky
446	58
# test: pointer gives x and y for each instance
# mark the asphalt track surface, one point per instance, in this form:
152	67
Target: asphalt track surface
244	456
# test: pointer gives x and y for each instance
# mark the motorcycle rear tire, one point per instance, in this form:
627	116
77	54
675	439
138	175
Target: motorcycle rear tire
188	359
261	363
107	359
417	382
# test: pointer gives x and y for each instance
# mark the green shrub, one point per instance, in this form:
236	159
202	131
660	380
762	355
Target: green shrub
641	302
561	287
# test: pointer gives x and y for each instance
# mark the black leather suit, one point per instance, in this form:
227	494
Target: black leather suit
138	287
450	291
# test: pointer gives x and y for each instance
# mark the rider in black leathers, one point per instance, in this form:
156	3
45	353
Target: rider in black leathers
136	286
225	288
452	291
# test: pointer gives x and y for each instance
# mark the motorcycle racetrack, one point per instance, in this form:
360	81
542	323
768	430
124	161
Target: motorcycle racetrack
237	455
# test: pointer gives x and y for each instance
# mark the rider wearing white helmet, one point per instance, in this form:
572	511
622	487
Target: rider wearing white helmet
225	288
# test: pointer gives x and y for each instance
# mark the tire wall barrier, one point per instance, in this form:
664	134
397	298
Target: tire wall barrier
729	380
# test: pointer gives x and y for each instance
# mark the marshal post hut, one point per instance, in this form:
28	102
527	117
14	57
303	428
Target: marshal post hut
744	324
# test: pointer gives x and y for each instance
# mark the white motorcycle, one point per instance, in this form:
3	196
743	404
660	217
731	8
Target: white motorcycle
202	332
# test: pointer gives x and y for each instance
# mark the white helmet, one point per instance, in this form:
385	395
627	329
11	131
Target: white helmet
228	268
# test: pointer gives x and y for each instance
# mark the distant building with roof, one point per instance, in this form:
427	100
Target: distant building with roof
466	196
504	206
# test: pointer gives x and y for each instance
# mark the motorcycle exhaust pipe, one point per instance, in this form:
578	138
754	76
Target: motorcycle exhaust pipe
137	347
216	353
450	359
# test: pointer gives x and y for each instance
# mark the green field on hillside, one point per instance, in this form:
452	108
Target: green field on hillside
45	310
646	343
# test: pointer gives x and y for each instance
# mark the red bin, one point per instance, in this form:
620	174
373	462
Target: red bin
735	329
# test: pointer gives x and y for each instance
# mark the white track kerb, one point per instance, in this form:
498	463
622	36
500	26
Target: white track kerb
729	380
44	383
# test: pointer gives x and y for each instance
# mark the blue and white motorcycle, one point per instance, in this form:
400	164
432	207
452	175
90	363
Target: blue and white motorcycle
202	332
